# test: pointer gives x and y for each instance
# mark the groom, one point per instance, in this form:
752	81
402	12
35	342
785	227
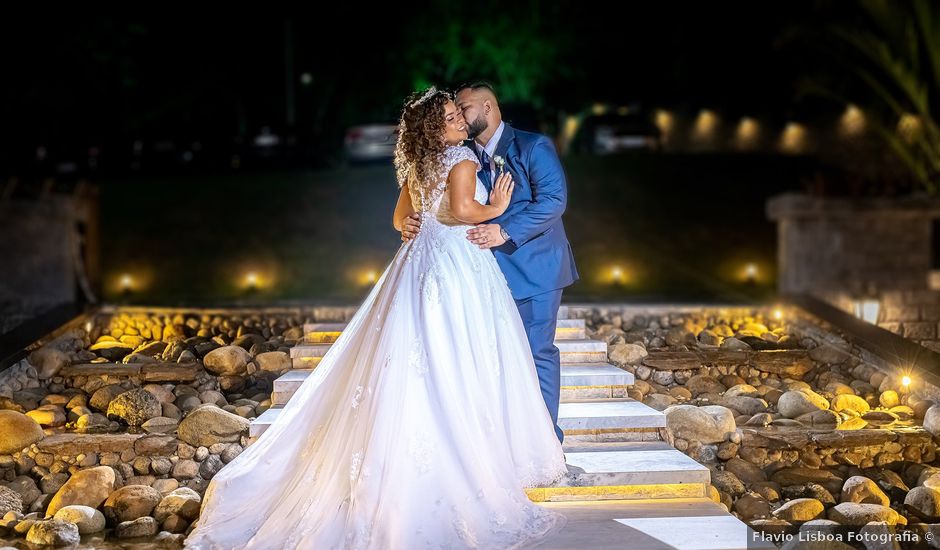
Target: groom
529	239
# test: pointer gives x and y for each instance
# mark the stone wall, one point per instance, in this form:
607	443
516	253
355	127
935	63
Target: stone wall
40	242
845	250
832	246
912	314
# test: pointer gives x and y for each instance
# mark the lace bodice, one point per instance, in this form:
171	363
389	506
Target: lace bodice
434	201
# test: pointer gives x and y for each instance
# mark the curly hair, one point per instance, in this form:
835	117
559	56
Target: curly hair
420	150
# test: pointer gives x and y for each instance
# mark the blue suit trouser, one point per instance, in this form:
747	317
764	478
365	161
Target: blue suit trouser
540	315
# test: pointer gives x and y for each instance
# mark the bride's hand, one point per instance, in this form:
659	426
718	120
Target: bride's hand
502	192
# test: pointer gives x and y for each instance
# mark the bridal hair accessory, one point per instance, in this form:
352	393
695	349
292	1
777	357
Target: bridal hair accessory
431	91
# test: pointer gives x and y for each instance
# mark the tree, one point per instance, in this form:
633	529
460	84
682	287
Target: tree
893	54
517	52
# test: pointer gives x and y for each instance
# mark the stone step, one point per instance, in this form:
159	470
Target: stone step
322	333
651	470
580	447
581	345
578	381
573	350
593	381
658	524
574	375
288	383
601	419
308	356
324	327
582	350
593	416
305	363
566	329
570	329
263	421
309	350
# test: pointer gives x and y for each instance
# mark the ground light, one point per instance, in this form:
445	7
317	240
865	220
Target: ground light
750	273
251	281
127	283
867	310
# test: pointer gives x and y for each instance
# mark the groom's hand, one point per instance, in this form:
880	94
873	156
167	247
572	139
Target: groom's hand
486	235
410	227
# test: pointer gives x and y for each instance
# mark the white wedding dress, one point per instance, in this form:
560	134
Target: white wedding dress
419	428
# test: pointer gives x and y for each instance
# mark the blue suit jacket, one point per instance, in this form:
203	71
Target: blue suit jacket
538	257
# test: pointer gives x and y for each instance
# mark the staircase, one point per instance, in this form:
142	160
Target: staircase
617	448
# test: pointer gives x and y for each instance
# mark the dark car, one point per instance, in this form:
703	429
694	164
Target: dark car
614	133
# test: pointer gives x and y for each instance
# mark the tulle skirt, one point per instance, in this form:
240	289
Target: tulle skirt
420	428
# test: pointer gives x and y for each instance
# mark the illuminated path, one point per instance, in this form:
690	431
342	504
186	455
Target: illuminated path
627	487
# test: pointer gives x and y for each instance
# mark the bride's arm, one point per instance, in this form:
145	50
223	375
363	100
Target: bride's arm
461	184
403	209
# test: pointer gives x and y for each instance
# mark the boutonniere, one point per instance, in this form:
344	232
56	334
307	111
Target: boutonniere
500	163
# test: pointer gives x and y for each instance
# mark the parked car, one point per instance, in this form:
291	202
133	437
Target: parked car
371	142
614	133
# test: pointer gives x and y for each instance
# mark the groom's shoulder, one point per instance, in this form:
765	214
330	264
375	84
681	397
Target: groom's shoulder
527	140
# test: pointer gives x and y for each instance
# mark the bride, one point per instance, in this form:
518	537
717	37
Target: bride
423	424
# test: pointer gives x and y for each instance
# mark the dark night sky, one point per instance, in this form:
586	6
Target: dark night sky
73	84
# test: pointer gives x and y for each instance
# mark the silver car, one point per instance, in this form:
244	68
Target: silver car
371	142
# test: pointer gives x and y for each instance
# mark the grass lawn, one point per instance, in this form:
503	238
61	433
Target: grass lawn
680	227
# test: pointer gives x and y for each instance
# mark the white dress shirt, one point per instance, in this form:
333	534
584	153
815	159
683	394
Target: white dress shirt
491	149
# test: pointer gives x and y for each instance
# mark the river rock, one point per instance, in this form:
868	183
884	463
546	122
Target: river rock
701	383
10	501
277	361
800	510
86	487
207	425
845	401
48	361
924	502
752	506
829	354
889	399
227	361
627	354
745	471
727	482
857	515
735	344
140	527
795	403
709	424
802	476
183	502
87	519
931	420
860	489
134	407
131	502
825	418
53	532
17	431
743	404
